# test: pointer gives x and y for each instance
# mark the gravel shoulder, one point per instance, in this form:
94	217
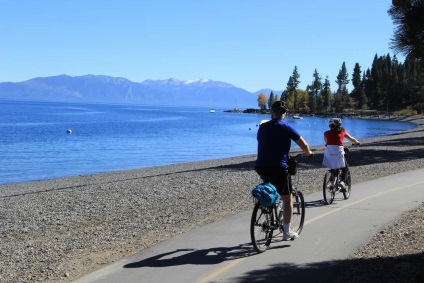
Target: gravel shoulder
59	230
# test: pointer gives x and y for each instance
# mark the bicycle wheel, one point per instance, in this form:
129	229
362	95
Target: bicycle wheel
260	227
348	184
328	188
298	212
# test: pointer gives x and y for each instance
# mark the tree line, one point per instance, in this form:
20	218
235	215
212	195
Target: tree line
388	86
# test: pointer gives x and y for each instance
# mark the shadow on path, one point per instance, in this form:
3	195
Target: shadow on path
195	257
315	203
407	268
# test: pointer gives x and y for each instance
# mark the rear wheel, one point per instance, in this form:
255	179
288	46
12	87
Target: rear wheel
329	189
260	227
348	183
298	212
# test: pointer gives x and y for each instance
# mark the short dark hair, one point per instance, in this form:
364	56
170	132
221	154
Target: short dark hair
279	107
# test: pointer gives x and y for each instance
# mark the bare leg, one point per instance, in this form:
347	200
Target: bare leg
287	208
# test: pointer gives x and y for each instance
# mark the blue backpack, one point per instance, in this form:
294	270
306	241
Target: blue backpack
266	194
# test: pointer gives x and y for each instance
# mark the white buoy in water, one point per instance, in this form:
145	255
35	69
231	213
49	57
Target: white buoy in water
69	131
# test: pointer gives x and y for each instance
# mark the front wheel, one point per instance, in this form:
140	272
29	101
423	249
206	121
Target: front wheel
329	189
348	183
261	227
298	212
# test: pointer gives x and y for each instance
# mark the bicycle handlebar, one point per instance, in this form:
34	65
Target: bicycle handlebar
355	144
352	145
297	156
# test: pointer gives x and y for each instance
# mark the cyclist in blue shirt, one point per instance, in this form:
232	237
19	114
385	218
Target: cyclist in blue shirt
274	142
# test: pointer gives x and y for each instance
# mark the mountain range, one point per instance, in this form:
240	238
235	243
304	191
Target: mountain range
106	89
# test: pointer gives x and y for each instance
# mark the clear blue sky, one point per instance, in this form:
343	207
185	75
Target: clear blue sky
251	44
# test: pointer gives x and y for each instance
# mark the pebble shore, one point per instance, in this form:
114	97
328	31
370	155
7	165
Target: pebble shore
59	230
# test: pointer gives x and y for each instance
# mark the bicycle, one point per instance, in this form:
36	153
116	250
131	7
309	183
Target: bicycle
266	219
331	184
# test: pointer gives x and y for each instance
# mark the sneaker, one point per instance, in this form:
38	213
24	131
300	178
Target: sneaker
290	235
342	187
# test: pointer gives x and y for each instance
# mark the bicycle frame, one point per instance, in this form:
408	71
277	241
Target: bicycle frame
332	180
265	220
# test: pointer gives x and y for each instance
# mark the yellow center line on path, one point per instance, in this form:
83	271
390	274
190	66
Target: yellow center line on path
231	264
220	270
358	201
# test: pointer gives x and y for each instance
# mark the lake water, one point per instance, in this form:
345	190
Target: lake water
35	145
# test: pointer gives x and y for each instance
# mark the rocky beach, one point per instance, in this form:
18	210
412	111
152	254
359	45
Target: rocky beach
61	229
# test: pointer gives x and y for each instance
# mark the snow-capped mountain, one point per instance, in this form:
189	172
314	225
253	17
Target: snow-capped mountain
99	88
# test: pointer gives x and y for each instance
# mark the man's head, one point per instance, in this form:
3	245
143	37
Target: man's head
278	108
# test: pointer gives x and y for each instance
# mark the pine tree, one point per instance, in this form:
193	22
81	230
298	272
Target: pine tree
270	100
314	101
362	98
276	97
368	86
326	95
408	15
342	93
292	85
356	82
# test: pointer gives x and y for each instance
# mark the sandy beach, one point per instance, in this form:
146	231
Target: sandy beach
59	230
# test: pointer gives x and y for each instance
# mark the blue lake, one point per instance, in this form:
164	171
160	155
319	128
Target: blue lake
35	145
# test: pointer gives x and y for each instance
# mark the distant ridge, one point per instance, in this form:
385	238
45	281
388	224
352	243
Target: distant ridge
267	92
106	89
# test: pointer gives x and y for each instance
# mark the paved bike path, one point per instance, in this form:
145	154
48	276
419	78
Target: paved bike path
221	251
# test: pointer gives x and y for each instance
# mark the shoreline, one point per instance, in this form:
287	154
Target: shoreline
61	229
399	118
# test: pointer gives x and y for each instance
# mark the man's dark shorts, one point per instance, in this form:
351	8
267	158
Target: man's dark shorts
276	176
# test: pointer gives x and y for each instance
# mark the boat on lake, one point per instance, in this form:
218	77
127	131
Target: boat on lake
297	117
212	111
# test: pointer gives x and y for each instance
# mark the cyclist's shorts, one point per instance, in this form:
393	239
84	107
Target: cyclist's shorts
277	176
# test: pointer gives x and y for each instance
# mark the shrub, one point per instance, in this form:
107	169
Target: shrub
407	111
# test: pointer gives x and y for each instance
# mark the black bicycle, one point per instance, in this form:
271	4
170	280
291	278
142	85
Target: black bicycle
267	219
332	187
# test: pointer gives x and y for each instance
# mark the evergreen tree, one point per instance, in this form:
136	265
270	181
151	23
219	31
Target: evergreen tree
362	98
289	93
408	16
314	101
376	79
342	93
357	85
276	97
338	101
286	97
342	78
292	85
326	95
386	84
302	100
283	96
368	86
270	100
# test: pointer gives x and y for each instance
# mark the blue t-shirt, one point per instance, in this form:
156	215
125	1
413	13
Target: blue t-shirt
274	142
